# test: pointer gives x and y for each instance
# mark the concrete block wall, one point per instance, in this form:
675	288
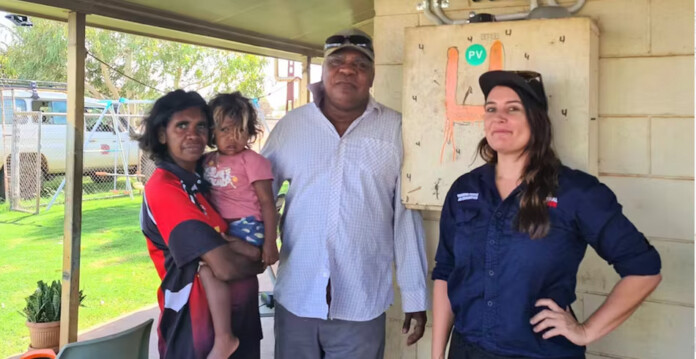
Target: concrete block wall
646	155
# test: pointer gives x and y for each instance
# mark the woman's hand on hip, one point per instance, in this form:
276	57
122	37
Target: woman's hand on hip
558	321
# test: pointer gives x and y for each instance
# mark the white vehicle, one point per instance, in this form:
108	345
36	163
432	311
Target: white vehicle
101	147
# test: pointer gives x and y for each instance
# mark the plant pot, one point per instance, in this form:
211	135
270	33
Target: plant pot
44	335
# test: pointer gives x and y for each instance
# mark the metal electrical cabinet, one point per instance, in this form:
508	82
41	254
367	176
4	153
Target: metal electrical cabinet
443	104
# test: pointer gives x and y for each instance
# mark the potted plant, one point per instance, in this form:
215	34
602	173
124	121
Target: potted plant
43	315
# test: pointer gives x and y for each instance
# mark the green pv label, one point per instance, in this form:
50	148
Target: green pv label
475	55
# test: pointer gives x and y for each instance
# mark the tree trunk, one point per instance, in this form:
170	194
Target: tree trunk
107	80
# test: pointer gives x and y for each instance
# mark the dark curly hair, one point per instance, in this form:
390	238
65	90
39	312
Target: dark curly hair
159	116
240	109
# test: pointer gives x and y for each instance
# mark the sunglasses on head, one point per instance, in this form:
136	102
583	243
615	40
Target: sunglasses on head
357	40
528	76
534	80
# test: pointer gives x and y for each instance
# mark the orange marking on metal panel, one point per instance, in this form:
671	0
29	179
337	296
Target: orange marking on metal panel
455	112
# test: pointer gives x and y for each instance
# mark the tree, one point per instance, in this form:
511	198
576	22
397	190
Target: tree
158	66
36	55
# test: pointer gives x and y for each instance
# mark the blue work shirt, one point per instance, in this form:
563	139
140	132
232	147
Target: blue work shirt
495	273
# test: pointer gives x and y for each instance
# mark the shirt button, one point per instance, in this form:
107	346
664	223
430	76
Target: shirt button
498	214
491	242
490	303
491	273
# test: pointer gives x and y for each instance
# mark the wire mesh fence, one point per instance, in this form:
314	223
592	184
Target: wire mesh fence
24	165
35	152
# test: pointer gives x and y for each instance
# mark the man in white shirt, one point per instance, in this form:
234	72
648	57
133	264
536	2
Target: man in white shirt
344	222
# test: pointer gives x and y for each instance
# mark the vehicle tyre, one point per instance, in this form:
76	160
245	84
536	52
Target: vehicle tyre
29	187
44	170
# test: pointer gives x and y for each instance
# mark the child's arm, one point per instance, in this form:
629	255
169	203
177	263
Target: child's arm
270	220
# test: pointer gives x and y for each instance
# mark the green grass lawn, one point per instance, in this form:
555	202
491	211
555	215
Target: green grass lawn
116	273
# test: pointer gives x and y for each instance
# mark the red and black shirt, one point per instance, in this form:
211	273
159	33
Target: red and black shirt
180	226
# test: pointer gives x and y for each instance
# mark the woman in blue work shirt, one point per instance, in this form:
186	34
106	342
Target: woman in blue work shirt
513	233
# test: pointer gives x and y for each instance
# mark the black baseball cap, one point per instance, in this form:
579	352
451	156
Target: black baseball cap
529	82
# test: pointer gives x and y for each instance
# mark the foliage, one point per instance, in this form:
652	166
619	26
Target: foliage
43	305
37	55
115	268
40	53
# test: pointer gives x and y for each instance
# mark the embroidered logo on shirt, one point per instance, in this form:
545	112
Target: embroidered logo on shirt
467	196
552	202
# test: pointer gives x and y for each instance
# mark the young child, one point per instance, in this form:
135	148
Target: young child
241	192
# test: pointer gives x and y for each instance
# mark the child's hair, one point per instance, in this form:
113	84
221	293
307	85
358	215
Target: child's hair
239	109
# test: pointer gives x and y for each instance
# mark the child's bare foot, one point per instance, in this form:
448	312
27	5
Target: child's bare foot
224	346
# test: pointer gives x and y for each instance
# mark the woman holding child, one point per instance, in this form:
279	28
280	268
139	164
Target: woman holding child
188	244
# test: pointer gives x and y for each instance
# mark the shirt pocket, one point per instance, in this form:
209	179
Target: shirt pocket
469	247
556	253
469	218
470	233
559	225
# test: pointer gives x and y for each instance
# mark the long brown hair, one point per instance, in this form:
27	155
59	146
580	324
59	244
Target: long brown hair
540	175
